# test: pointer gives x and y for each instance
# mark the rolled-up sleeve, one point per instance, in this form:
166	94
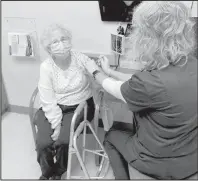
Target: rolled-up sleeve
135	93
82	59
47	98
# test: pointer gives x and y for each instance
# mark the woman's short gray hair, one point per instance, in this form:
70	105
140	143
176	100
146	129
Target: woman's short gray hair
47	33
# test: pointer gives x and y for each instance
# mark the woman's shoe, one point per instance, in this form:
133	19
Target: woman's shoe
43	178
46	162
56	177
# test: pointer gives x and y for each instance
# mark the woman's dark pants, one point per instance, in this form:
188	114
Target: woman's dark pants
46	148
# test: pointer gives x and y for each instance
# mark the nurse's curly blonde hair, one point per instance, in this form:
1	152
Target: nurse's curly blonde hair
164	34
48	31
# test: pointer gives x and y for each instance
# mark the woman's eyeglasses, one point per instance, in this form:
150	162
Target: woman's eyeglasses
56	43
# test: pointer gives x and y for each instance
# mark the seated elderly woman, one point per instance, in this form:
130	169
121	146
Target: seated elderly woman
162	141
63	85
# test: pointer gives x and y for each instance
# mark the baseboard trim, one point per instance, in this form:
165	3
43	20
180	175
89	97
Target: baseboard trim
18	109
4	111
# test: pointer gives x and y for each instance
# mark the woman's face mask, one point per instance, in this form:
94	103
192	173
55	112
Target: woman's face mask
60	46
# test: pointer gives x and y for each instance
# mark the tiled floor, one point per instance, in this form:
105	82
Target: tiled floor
19	155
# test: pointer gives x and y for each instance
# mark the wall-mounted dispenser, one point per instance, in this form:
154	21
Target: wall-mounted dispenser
20	44
117	43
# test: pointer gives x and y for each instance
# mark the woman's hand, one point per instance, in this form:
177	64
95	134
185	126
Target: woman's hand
104	63
91	66
56	133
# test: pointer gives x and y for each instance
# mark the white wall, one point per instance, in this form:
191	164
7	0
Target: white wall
90	34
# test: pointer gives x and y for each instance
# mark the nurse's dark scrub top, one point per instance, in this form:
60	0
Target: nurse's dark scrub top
164	104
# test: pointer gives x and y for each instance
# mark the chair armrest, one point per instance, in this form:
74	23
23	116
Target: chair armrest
97	109
99	96
31	104
31	113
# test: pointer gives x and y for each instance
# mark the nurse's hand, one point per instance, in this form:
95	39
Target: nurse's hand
104	63
91	66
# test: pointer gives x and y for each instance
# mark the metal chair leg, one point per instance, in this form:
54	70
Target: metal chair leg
84	143
70	154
